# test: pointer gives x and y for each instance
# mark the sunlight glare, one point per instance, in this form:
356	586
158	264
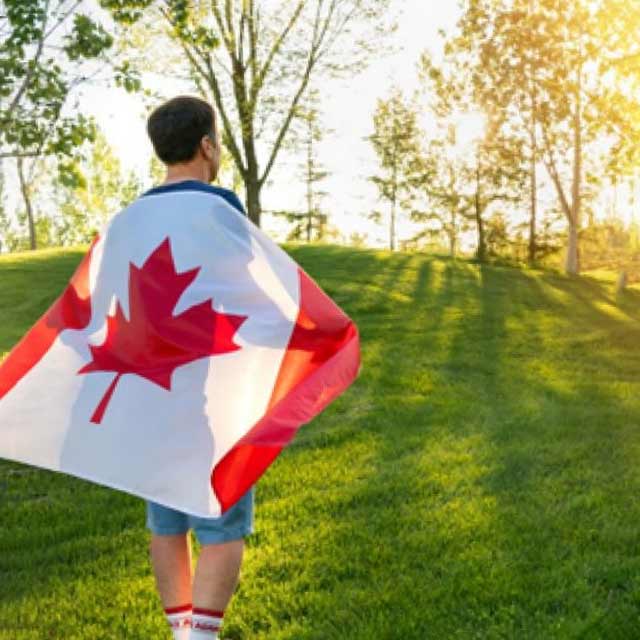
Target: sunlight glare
470	128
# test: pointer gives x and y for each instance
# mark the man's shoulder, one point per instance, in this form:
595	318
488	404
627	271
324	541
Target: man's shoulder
195	185
230	196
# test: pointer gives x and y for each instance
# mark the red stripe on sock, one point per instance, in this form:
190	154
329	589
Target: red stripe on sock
179	609
208	612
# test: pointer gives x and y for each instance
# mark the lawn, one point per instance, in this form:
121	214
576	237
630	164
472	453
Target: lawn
480	480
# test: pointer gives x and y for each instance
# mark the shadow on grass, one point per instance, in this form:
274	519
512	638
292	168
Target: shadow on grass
483	490
478	481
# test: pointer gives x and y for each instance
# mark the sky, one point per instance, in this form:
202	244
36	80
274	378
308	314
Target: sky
348	113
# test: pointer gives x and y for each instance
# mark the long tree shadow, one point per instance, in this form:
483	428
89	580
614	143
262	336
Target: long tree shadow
542	446
365	524
468	497
61	539
560	458
478	481
76	525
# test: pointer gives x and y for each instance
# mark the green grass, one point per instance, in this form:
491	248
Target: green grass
480	480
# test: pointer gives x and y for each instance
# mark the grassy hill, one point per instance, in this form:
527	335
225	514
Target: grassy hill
480	480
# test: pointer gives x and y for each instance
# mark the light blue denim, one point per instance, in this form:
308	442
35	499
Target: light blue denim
235	523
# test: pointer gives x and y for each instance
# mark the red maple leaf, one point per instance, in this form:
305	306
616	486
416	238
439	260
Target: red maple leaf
153	342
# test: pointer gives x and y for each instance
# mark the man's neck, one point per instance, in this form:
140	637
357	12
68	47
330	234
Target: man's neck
181	173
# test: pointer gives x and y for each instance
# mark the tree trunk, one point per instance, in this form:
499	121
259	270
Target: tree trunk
482	248
573	251
533	244
394	198
392	226
309	184
572	263
24	188
452	234
533	177
254	208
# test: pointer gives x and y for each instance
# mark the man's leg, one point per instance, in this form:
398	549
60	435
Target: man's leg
218	568
216	578
170	551
217	573
171	559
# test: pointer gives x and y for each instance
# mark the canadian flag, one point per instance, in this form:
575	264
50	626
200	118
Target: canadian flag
184	354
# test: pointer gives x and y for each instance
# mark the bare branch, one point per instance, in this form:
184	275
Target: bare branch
203	64
228	14
226	36
217	93
63	18
253	41
552	168
318	35
277	45
18	154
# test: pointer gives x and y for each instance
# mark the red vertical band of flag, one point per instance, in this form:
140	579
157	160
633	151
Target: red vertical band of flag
72	310
321	361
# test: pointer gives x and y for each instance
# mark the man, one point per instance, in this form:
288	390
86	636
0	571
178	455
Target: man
185	138
182	357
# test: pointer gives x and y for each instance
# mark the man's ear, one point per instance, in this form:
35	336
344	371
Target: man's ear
206	147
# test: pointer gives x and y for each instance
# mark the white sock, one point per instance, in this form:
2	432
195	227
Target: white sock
205	624
179	619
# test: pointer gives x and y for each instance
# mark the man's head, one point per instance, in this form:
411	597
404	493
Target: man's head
183	132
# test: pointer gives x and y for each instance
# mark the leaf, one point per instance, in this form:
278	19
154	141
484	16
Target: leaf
153	342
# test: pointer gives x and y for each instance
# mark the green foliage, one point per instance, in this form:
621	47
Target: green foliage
478	481
396	141
558	74
308	131
126	12
307	226
256	60
90	192
39	66
157	171
127	77
87	40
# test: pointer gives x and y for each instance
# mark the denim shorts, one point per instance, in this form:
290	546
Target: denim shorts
235	523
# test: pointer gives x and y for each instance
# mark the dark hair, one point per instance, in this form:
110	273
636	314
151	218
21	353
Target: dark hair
177	127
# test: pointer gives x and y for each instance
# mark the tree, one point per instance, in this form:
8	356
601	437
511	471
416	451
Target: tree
99	189
256	60
6	234
28	226
43	48
439	183
488	170
497	177
498	40
396	141
313	172
568	62
47	49
307	133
